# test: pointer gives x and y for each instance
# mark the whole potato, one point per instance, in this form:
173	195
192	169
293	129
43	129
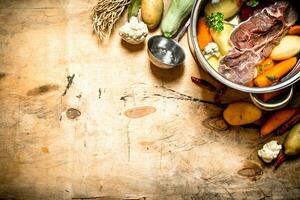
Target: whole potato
288	47
228	7
222	38
152	11
241	113
214	62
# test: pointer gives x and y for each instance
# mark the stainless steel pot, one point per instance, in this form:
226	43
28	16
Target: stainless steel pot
287	81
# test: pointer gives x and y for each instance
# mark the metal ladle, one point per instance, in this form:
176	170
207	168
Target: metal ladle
167	53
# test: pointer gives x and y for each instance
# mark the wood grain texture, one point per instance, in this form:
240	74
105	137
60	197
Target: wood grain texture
183	150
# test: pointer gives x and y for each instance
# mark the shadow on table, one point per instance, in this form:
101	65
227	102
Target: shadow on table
133	47
167	75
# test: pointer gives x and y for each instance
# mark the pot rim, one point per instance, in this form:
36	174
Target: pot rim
207	67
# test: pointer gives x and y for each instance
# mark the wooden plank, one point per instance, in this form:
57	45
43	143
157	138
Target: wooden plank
123	129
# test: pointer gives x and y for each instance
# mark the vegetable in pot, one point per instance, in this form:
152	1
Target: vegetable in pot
272	75
264	65
228	7
222	38
152	11
241	113
177	12
215	21
214	62
203	34
252	3
288	47
294	30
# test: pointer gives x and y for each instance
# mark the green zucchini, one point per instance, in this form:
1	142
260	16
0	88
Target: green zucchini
177	12
133	9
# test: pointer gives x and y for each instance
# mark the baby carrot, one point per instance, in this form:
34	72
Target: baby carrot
294	30
277	119
264	65
203	35
273	74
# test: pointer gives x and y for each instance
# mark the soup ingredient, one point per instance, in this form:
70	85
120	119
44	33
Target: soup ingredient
210	50
252	3
228	7
235	21
252	43
291	145
277	119
203	83
152	11
264	65
247	11
214	62
250	84
294	120
221	38
270	95
133	9
273	20
176	14
203	34
134	32
105	14
272	75
288	47
294	30
292	142
269	151
215	21
241	113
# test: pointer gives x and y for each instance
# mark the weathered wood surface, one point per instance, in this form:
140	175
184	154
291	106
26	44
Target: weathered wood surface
123	129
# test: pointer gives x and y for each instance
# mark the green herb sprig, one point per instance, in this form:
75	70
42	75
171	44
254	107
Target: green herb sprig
252	3
263	66
272	78
215	21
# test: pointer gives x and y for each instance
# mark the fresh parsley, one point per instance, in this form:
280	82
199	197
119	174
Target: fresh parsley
263	66
215	21
252	3
272	78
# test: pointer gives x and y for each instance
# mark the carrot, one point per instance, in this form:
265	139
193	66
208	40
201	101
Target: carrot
294	30
203	36
294	120
277	119
273	74
268	96
250	84
264	65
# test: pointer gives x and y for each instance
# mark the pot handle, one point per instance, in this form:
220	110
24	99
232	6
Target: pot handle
272	106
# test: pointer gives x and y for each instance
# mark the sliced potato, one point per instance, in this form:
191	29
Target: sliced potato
241	113
228	7
288	47
222	38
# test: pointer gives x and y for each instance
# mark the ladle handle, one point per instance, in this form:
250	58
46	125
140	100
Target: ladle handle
182	30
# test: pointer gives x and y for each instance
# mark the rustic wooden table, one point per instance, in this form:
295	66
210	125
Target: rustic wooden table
121	128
